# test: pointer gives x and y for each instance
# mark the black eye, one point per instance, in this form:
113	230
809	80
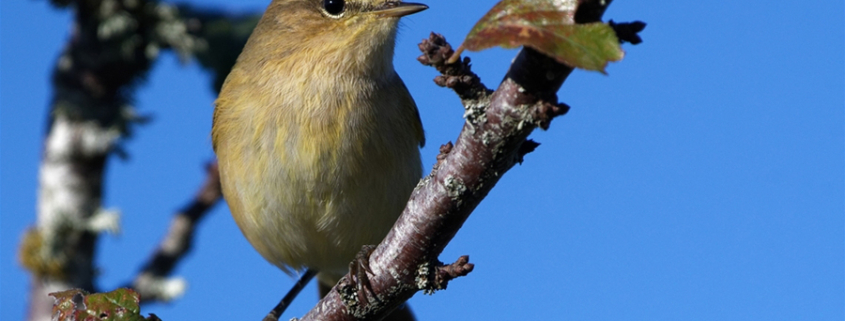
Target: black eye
333	7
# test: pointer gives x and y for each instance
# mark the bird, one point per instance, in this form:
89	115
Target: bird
317	137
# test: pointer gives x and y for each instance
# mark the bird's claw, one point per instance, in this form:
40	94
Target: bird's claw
360	266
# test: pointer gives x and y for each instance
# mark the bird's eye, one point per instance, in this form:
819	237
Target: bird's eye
333	7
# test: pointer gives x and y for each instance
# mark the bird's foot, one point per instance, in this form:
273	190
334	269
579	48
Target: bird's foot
360	267
355	289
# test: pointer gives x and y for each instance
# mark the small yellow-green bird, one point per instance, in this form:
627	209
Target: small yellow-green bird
316	135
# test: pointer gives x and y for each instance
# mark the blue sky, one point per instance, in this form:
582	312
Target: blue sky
703	179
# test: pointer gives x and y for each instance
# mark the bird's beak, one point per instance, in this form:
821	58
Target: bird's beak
398	9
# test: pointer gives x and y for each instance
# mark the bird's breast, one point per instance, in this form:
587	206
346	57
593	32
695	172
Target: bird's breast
315	169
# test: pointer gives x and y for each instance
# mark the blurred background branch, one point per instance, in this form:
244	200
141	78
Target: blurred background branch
113	45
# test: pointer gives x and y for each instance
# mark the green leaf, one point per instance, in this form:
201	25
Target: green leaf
117	305
549	27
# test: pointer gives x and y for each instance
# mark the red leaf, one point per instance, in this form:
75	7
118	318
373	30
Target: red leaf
549	27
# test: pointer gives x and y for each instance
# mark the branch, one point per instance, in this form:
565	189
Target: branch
492	141
152	283
111	49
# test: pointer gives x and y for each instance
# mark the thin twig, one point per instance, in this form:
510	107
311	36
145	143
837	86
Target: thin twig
292	293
